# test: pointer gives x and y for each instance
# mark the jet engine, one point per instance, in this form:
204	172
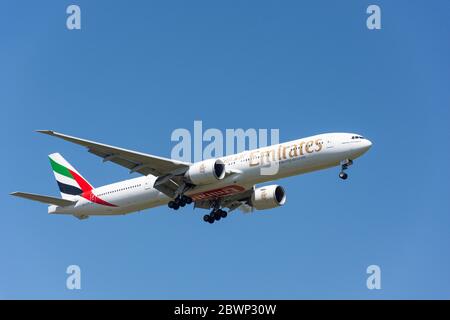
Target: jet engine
206	172
268	197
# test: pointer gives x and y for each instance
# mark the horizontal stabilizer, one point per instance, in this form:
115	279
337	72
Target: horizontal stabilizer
44	199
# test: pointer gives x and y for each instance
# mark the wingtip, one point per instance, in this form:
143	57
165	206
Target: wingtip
45	131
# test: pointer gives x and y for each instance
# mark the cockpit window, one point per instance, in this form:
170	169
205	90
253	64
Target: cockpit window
358	137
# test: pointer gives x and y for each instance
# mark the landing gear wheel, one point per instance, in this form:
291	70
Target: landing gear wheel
176	206
186	199
182	203
206	218
217	216
223	213
171	204
343	175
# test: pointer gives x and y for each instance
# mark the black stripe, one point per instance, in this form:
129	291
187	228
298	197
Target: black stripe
68	189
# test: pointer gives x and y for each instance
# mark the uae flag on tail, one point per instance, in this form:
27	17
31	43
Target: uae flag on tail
70	181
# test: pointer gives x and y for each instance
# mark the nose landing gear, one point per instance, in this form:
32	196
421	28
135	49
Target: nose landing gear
344	166
343	175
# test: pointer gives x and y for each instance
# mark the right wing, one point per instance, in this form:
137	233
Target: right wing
44	199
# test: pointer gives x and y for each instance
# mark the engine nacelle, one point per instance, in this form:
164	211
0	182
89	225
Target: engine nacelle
268	197
206	172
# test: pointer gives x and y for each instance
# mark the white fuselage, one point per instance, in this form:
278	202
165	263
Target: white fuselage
248	168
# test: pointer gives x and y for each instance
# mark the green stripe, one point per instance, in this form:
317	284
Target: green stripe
60	169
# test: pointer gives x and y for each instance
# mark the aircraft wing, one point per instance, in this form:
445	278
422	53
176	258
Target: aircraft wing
134	161
167	170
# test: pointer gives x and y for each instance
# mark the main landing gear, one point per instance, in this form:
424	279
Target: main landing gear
344	166
215	215
179	201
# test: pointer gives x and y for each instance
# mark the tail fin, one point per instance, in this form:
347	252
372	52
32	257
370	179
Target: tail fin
70	182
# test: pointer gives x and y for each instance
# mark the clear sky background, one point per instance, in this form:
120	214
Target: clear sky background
138	70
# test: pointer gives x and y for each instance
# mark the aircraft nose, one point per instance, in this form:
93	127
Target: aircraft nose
366	145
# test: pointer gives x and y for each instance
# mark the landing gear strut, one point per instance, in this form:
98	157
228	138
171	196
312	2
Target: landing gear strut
179	201
344	166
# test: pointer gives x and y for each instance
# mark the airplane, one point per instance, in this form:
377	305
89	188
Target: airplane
221	185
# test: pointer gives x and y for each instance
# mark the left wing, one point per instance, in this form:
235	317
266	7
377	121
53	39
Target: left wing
165	169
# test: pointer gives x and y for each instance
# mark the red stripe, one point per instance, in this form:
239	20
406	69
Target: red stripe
84	185
93	198
87	190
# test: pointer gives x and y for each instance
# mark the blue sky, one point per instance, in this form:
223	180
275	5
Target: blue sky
137	71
